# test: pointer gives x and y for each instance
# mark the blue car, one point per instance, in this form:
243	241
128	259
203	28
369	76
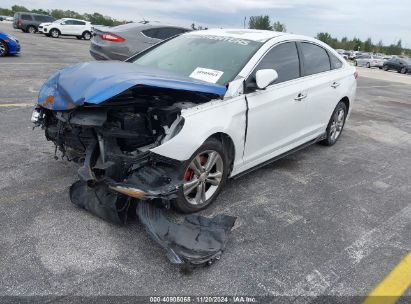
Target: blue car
9	45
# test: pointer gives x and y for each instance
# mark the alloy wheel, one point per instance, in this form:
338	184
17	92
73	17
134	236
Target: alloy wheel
2	49
203	177
54	33
31	30
337	124
87	36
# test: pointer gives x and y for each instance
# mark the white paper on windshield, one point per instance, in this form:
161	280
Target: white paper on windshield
208	75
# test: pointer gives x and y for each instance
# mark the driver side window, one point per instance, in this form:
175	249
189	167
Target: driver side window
284	59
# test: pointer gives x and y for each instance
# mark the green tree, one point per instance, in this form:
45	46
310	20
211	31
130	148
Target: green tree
19	8
368	46
260	23
279	27
325	37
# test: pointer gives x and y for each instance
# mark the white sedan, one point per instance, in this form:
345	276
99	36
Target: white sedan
175	121
67	27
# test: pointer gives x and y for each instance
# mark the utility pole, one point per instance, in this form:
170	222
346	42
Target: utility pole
245	18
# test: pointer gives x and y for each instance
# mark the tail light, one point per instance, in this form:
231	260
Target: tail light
356	75
111	37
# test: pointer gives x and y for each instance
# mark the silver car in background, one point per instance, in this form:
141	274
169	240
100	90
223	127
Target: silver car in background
123	41
369	61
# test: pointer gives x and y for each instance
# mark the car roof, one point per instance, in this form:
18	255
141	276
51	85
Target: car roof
248	34
74	19
142	26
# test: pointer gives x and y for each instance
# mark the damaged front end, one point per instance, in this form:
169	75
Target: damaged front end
111	136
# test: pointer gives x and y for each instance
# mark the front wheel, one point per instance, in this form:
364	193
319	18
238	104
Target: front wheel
355	63
385	68
55	33
403	71
336	124
3	48
368	65
204	175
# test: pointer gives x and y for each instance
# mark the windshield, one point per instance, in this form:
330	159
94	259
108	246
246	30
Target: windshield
58	21
214	59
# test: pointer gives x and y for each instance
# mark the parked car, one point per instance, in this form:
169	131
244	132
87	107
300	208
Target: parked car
120	42
9	45
401	65
343	53
67	27
369	61
29	22
177	120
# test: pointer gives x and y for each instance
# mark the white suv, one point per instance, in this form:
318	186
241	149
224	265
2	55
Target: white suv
67	27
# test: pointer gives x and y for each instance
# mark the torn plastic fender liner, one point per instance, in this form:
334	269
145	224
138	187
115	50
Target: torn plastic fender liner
100	201
196	241
96	82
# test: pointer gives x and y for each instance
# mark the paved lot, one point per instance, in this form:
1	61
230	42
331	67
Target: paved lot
324	221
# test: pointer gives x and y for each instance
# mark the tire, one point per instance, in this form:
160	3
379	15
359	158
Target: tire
192	201
335	125
368	65
24	30
355	63
385	68
31	29
403	71
4	50
55	33
86	35
79	37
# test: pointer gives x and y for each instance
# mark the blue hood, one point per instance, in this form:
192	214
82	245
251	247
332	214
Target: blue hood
95	82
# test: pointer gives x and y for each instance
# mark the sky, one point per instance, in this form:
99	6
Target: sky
381	20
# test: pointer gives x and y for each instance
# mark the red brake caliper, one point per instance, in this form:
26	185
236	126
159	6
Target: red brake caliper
188	175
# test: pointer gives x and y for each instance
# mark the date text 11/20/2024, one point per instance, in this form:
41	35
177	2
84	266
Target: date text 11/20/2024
203	299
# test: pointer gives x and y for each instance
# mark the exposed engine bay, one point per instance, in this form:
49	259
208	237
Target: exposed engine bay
111	142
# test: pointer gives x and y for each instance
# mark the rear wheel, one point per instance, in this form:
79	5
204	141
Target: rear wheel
3	48
403	71
385	68
87	35
368	65
336	124
355	63
31	29
204	175
55	33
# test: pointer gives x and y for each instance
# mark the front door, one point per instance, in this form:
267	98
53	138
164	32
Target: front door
276	115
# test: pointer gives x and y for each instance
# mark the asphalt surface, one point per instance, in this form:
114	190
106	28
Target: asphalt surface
324	221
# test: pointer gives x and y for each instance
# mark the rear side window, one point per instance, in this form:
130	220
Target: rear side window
316	59
78	22
42	18
26	17
151	33
335	62
284	59
167	32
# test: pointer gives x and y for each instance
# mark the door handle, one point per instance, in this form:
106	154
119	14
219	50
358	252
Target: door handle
300	97
335	84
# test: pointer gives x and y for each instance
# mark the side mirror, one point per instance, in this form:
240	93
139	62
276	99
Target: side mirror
264	78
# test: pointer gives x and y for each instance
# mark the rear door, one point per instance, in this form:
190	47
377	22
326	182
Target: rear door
322	73
78	27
